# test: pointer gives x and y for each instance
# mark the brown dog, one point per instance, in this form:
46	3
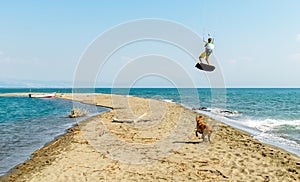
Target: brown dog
203	128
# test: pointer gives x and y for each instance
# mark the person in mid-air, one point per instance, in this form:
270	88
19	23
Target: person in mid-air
209	46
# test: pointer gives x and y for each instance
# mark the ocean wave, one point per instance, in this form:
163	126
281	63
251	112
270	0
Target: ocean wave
266	125
168	100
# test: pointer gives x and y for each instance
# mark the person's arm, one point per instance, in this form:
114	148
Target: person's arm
205	42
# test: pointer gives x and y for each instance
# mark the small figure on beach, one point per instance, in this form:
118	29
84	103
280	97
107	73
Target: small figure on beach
78	112
209	46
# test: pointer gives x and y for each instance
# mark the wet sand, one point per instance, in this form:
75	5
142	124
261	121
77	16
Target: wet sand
153	141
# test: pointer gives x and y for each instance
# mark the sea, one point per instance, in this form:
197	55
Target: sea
271	115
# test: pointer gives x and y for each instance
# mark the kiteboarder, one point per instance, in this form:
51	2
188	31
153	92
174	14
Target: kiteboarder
209	46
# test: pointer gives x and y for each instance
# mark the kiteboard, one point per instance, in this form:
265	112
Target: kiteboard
205	67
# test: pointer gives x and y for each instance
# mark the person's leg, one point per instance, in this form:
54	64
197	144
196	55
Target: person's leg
207	57
208	53
203	55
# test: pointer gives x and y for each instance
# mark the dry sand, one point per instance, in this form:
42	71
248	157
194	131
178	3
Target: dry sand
160	145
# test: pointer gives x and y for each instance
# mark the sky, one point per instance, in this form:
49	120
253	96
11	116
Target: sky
257	42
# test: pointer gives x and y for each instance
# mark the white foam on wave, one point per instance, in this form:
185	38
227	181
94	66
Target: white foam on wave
168	100
266	125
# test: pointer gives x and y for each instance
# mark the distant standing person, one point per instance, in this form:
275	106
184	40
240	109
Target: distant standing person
209	46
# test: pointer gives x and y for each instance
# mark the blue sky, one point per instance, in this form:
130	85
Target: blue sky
257	42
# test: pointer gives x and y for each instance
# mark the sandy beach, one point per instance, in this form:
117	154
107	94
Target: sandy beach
149	140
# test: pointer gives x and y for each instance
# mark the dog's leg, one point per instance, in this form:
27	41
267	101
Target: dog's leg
203	137
208	136
196	132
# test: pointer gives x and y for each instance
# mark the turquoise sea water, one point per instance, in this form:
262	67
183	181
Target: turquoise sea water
28	124
270	115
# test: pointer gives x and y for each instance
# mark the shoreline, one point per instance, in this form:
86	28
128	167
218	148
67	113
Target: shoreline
252	133
233	145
